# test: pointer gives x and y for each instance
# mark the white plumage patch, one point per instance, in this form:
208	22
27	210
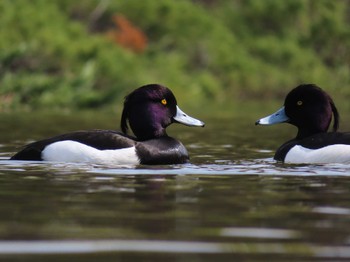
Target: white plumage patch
330	154
72	151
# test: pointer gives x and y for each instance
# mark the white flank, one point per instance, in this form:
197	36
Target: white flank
72	151
329	154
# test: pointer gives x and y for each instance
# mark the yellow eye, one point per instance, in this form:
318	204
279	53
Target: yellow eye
164	102
299	103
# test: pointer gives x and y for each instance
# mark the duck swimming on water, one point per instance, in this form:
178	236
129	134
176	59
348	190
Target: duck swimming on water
148	111
311	110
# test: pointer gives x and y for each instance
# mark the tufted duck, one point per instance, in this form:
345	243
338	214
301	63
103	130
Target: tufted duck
310	109
148	110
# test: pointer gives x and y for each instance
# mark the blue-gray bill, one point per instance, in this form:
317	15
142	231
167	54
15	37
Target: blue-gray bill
185	119
275	118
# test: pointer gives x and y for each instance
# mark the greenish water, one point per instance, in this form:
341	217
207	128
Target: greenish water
232	203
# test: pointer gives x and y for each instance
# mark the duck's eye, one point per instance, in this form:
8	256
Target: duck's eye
299	103
164	102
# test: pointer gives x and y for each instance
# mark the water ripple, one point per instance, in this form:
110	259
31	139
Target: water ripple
246	167
159	246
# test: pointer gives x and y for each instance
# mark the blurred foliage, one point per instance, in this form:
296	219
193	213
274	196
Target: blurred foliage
88	54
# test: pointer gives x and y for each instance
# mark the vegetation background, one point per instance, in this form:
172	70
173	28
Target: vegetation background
63	54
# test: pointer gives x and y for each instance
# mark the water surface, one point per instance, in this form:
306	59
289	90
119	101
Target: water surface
232	203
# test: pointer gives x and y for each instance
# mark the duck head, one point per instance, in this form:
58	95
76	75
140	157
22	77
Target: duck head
308	108
150	109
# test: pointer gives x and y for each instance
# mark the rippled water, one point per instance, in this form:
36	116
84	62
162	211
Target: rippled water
232	203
